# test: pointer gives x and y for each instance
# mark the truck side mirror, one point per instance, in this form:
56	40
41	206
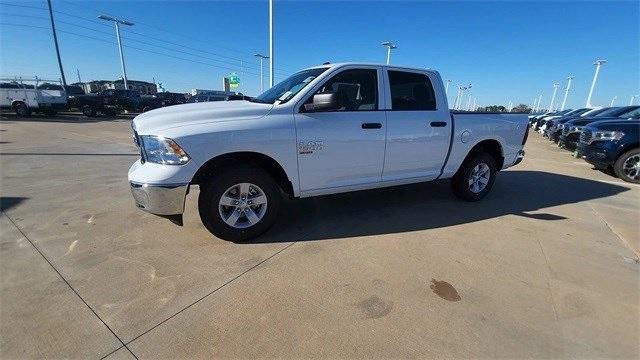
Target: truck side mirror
327	101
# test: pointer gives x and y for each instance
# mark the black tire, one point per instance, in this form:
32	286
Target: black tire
460	181
109	112
211	193
22	110
624	162
89	111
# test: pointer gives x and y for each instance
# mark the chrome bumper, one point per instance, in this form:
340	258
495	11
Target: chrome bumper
160	199
519	158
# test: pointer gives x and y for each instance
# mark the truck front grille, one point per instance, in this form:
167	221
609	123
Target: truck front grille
585	136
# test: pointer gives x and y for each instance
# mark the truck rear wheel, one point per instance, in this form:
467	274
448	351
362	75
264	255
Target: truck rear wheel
627	167
475	178
239	204
22	110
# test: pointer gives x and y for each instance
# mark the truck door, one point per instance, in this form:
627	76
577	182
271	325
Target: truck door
418	125
343	146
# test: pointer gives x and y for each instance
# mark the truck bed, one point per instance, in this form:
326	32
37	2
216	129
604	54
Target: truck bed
470	128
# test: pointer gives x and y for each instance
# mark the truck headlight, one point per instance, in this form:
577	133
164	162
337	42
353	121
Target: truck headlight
161	150
607	135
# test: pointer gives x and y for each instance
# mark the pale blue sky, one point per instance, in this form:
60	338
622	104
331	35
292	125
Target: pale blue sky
508	50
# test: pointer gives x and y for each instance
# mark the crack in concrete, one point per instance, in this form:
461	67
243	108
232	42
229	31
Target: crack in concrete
620	237
68	284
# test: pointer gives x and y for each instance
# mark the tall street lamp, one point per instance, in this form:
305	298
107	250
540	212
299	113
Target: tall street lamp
446	90
553	97
598	64
566	91
117	23
389	45
613	101
261	57
633	97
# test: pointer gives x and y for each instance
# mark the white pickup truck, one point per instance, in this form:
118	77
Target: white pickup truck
324	130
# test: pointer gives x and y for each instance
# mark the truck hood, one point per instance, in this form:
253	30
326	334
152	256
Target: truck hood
151	122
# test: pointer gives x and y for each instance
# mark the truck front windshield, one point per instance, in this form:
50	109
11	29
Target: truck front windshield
288	88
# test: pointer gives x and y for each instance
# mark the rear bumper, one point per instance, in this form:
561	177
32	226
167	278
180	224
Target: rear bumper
160	199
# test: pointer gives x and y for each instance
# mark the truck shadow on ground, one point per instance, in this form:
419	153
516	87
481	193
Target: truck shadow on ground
429	206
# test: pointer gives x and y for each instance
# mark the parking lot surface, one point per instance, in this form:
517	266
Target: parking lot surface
546	266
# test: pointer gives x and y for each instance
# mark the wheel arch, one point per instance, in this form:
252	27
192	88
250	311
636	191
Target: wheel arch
489	146
261	160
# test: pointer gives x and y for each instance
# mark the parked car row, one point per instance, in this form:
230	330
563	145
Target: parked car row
607	138
28	96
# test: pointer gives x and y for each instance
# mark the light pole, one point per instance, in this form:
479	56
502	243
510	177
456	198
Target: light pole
261	57
446	89
389	45
475	98
539	102
598	64
613	101
455	103
270	43
117	23
553	97
566	91
510	106
633	97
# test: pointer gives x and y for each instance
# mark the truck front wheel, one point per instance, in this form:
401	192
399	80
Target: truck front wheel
239	204
475	178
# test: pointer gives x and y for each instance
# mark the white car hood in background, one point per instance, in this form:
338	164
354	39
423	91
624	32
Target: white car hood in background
151	122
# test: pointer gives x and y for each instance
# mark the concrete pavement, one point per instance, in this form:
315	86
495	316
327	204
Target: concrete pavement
545	267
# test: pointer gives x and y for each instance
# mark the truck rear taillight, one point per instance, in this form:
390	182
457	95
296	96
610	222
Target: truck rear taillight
526	135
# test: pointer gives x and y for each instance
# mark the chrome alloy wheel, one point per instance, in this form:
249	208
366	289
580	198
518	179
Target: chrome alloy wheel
242	205
479	178
631	167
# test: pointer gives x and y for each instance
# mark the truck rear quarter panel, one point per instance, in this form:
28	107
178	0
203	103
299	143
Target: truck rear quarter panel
472	128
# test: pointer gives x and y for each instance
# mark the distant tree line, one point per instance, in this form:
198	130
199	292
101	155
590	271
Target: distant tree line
499	108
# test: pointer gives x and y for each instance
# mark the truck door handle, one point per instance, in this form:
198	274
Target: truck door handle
371	125
438	124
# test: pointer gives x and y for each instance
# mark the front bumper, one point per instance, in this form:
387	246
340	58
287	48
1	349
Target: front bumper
601	154
160	199
569	141
519	158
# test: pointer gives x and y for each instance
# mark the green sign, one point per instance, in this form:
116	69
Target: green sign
234	80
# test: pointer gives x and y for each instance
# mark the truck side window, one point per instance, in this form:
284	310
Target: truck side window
358	88
411	91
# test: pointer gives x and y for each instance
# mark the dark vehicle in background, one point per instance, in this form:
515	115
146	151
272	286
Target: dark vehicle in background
170	98
113	101
571	131
543	120
613	145
554	130
549	120
216	97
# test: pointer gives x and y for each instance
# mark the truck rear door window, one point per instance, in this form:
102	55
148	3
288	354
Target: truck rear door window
411	91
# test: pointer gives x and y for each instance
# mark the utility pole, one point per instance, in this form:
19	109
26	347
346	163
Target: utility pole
566	91
553	97
598	64
261	57
117	23
613	101
55	41
389	45
270	43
